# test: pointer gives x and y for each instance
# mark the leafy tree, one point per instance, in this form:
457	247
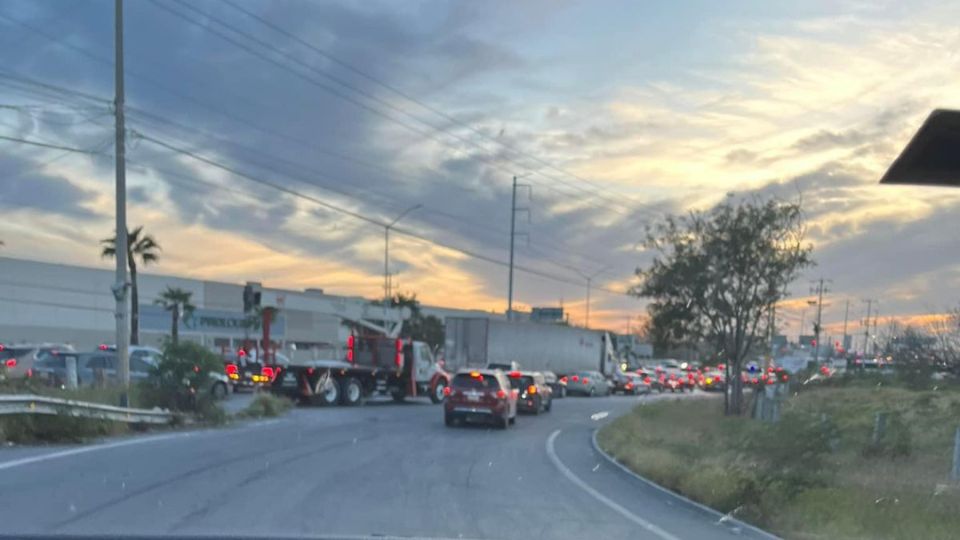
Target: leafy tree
420	327
177	302
716	273
147	249
179	381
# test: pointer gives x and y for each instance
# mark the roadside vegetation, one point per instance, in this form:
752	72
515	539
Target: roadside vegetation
822	471
266	406
179	383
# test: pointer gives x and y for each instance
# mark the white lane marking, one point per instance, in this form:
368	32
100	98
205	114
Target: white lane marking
600	415
84	449
552	454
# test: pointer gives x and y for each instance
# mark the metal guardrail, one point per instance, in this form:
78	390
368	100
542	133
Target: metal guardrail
33	404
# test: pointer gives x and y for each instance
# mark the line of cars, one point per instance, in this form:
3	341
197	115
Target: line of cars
47	363
491	395
495	395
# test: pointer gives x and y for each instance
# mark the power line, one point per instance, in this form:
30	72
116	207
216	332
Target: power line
248	150
47	145
354	214
358	103
401	93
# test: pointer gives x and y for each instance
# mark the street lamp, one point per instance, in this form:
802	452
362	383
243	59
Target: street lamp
386	253
589	279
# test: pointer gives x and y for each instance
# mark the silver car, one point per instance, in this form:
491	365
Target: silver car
588	383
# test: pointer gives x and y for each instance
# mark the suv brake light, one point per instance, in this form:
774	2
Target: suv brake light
11	362
586	380
575	378
532	389
514	375
501	394
446	390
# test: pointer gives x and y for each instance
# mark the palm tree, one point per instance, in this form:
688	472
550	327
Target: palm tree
147	248
176	301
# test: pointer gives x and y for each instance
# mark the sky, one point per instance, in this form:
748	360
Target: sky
270	141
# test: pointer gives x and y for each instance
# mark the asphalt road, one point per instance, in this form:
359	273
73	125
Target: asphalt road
382	469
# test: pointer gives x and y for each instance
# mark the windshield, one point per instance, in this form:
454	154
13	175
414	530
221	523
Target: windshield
480	382
280	237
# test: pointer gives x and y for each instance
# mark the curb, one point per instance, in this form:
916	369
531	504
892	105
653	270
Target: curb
720	516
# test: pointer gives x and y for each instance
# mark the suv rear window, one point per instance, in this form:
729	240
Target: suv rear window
53	361
482	382
521	382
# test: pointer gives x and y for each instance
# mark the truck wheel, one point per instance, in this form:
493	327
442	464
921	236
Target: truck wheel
331	392
437	395
537	404
352	392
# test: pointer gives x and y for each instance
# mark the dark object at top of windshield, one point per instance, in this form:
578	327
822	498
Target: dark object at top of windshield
932	157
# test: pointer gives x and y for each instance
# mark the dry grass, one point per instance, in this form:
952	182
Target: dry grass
806	477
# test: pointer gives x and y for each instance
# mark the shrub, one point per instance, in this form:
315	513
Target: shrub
179	381
267	406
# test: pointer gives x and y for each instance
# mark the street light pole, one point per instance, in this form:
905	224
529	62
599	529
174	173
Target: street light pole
386	253
120	243
513	225
589	279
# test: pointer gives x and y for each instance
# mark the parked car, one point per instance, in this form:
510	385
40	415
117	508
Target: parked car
485	395
18	359
557	384
535	394
588	383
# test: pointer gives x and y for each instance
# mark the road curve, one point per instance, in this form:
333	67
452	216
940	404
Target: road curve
383	469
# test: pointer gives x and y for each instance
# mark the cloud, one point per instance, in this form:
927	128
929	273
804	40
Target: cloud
25	187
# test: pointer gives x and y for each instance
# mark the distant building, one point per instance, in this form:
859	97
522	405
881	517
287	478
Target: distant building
547	315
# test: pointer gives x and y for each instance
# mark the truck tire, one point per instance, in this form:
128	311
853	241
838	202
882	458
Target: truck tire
330	395
538	403
436	396
352	392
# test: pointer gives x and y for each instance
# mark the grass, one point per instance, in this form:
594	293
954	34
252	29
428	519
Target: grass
815	474
266	405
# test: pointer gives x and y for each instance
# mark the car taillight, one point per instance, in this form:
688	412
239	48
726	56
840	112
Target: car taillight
501	394
514	374
629	386
531	389
351	343
646	380
446	390
267	372
231	369
575	378
398	359
563	380
11	362
754	380
585	380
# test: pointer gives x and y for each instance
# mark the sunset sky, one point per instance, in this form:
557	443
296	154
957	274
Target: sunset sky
615	113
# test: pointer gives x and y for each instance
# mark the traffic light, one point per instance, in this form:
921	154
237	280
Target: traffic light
251	298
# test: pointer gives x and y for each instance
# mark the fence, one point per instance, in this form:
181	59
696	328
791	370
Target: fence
33	404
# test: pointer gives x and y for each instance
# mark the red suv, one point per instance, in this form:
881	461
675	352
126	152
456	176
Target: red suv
484	395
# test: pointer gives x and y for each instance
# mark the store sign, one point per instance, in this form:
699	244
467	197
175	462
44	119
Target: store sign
209	321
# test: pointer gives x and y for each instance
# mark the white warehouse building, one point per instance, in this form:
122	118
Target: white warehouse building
57	303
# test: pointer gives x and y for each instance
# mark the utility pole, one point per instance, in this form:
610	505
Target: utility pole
846	314
803	319
866	330
513	235
513	226
120	244
816	326
876	315
386	254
